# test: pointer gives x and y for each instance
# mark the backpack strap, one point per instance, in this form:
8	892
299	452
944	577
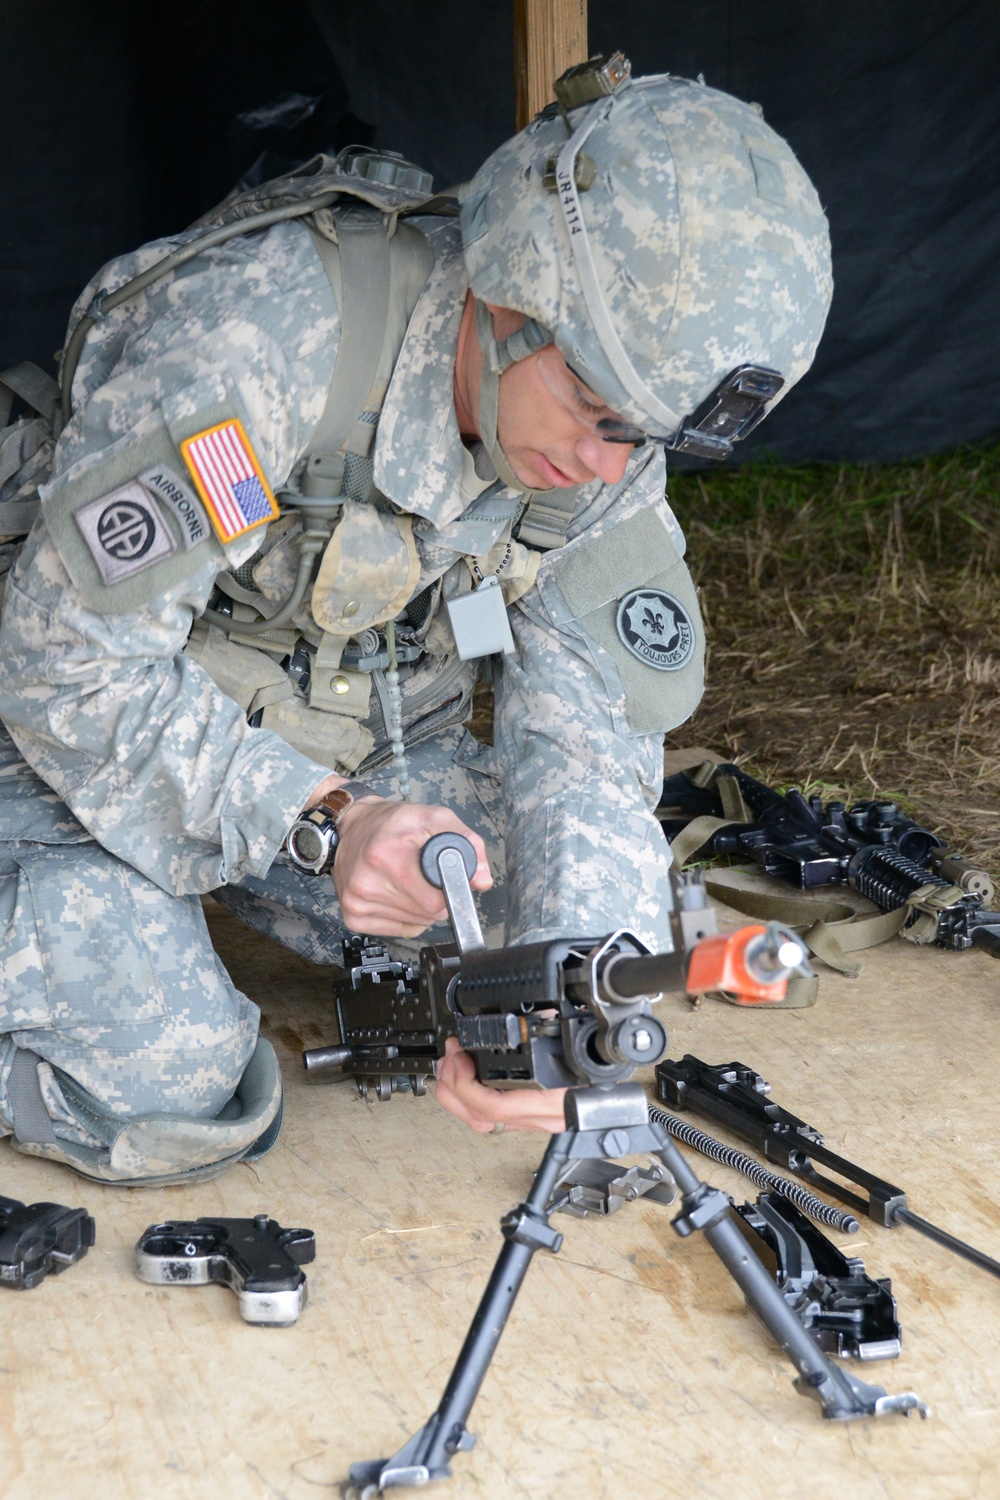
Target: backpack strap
547	518
35	388
376	280
24	444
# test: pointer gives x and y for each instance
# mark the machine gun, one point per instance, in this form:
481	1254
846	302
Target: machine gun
577	1013
553	1015
870	847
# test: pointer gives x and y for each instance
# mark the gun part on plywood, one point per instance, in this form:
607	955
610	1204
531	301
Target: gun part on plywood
739	1098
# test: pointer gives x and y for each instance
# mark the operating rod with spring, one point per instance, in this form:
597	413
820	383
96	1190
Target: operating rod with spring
736	1096
728	1156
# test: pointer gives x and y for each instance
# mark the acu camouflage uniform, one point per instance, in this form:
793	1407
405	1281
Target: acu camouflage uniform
132	783
146	785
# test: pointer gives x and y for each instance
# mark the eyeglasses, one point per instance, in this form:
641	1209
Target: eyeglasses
575	397
733	409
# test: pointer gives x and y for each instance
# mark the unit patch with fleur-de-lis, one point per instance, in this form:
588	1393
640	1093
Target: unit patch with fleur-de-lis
656	629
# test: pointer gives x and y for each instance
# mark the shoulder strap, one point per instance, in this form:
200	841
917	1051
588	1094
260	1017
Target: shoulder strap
310	189
24	444
376	280
546	520
35	388
357	267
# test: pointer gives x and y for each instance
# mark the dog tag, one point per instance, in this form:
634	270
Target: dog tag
479	621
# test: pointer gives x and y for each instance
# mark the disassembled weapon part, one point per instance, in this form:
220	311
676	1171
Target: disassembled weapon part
832	1295
258	1259
593	1189
39	1240
728	1156
736	1095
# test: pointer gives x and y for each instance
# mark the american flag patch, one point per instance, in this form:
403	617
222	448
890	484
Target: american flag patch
229	479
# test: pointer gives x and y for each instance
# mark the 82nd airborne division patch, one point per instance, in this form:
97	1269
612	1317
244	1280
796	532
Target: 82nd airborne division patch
656	628
125	532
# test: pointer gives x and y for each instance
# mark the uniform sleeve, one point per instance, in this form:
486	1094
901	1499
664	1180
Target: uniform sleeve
578	736
153	760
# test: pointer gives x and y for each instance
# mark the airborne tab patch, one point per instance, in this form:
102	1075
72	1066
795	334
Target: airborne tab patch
229	479
188	509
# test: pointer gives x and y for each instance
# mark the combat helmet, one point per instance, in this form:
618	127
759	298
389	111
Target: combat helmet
666	240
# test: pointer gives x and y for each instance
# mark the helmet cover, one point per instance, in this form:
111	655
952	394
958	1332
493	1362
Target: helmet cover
700	246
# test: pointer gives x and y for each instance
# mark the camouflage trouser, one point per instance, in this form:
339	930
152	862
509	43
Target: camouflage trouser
125	1049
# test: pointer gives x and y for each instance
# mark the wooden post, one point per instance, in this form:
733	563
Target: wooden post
549	37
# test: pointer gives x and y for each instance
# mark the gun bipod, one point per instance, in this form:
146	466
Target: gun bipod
612	1122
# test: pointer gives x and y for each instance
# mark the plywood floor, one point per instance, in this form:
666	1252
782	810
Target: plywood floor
630	1367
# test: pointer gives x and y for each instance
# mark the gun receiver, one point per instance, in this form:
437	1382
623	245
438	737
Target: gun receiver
738	1097
871	847
556	1014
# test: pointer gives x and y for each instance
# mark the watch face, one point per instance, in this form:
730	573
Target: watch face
310	845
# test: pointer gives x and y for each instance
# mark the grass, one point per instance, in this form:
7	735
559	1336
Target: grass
853	619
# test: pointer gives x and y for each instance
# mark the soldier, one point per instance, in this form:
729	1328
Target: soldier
208	689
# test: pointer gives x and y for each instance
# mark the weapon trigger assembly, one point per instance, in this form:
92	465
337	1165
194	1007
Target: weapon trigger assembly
39	1240
256	1258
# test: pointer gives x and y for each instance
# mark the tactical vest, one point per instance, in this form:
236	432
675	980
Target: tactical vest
355	208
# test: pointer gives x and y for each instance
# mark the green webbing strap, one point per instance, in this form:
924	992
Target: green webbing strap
548	514
546	521
21	442
830	929
32	1121
359	273
34	387
251	597
733	806
691	838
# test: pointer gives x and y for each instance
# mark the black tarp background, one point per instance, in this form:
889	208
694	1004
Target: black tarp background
122	121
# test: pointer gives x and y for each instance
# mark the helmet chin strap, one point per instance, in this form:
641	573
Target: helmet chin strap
548	513
498	357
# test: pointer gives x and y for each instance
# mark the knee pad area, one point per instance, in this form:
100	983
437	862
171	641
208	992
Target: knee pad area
51	1114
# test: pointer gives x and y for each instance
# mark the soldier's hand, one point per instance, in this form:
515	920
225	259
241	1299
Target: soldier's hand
470	1101
377	870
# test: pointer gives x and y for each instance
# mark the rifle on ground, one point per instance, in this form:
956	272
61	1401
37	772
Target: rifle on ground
871	847
576	1013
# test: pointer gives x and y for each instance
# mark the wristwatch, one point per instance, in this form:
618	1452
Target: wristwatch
313	838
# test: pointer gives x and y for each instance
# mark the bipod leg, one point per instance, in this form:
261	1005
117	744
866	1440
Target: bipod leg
841	1395
427	1454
